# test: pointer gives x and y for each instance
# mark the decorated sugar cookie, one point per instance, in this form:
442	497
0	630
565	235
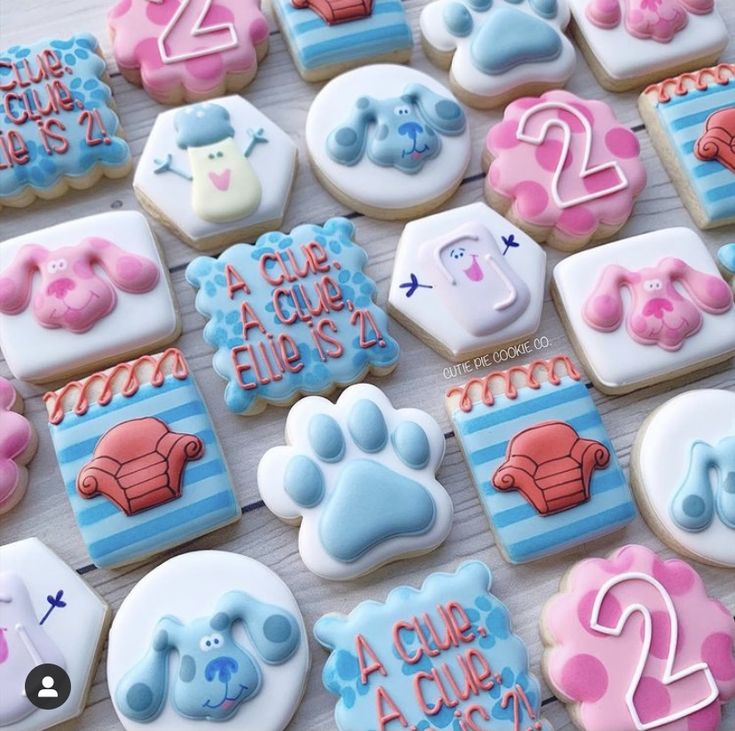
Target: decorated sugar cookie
47	615
442	656
292	315
140	460
634	643
359	476
683	473
216	172
563	169
83	294
540	458
188	50
18	443
59	129
726	260
645	309
233	634
659	38
388	141
691	119
328	37
467	281
498	51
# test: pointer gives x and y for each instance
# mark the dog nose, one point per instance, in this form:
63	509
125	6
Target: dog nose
410	129
657	307
59	287
221	668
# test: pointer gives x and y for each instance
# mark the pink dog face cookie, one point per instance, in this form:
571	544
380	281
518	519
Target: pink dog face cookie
645	309
17	446
188	50
82	293
634	643
563	169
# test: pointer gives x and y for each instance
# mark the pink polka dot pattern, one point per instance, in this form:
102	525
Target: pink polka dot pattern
579	655
576	205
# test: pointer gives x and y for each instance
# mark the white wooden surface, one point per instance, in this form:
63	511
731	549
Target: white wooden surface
419	380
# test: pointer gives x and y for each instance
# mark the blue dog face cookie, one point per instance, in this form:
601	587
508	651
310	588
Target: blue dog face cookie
440	657
292	315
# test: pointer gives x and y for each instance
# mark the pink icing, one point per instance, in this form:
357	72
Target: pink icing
583	202
595	670
137	26
16	436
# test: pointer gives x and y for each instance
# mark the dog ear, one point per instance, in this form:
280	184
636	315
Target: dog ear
603	310
709	292
17	278
141	694
442	113
692	507
274	631
129	272
346	143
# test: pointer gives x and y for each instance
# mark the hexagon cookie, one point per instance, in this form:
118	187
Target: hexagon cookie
47	615
467	280
216	172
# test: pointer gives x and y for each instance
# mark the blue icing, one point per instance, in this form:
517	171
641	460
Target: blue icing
315	362
726	256
74	72
433	628
367	427
204	124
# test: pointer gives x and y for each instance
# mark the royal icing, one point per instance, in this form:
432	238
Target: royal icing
82	294
188	49
293	314
141	463
440	656
565	167
685	474
237	643
467	280
360	477
540	458
47	615
17	447
694	122
635	644
388	139
485	64
646	308
726	260
216	171
330	36
659	37
58	128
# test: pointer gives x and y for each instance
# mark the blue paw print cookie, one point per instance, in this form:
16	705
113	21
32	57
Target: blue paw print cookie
498	50
359	476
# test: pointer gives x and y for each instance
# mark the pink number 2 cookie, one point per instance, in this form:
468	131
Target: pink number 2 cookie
634	643
188	50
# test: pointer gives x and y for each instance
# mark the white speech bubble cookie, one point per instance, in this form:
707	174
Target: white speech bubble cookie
208	639
467	280
359	476
48	614
683	470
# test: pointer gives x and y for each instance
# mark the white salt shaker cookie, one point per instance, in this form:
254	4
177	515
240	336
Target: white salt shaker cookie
48	615
683	474
388	141
359	476
231	634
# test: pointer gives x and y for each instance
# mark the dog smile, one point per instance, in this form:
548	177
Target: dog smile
226	702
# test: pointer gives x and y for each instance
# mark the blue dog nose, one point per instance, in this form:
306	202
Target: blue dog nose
410	129
221	668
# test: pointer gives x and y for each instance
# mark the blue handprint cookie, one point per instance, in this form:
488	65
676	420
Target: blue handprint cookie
440	657
359	476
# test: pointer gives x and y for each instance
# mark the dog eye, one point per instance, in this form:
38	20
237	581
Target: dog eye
217	640
456	253
220	154
61	265
652	285
401	111
51	267
211	156
206	644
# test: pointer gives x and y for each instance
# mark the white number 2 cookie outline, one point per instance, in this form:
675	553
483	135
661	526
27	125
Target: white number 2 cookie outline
585	171
197	30
669	676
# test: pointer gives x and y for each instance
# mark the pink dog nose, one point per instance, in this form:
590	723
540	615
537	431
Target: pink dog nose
657	307
59	287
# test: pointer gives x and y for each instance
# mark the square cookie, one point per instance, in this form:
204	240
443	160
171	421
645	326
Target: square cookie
82	295
645	309
540	457
140	460
691	119
658	38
